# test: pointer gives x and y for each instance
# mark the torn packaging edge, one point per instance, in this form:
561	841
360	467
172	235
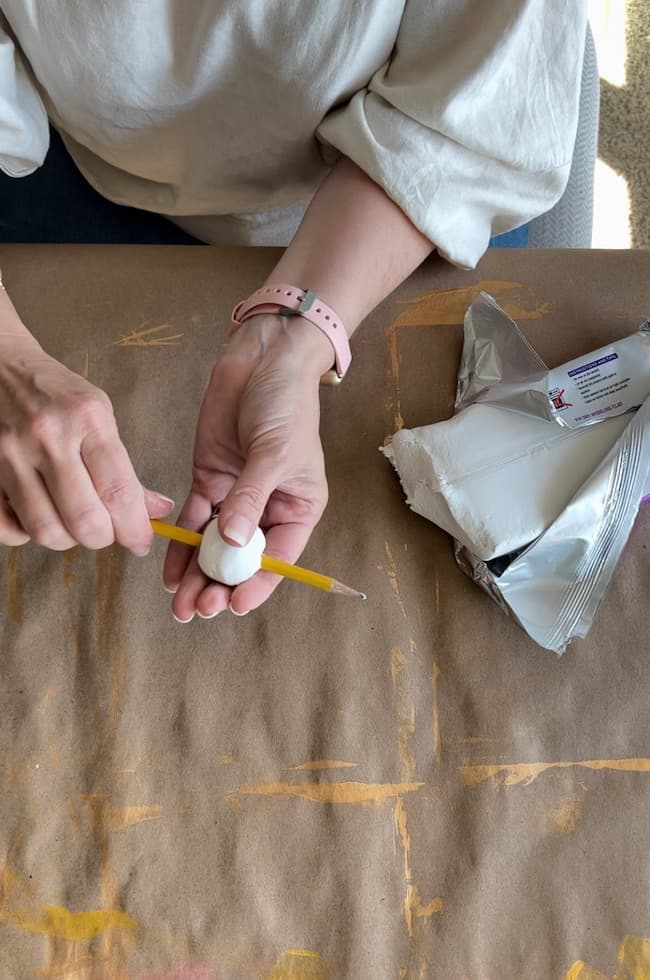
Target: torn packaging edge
497	495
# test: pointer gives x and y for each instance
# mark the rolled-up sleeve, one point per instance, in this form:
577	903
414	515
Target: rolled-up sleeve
470	126
24	132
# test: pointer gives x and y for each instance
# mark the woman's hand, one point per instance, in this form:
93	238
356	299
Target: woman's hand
257	457
65	477
257	452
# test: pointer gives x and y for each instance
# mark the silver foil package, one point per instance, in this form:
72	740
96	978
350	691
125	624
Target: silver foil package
554	586
553	583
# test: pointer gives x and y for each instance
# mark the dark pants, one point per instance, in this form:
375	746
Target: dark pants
56	204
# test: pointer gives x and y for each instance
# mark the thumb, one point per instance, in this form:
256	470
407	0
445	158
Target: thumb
157	505
242	509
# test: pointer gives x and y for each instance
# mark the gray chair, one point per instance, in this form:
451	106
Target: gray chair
569	223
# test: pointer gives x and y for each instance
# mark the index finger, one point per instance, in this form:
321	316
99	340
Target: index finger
118	488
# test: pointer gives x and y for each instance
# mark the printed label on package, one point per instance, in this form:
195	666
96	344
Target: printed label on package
606	382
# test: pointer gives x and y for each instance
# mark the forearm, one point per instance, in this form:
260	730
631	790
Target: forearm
353	247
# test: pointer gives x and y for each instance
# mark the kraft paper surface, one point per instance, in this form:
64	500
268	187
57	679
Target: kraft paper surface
405	788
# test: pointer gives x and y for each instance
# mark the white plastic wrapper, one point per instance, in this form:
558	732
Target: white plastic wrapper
496	479
544	551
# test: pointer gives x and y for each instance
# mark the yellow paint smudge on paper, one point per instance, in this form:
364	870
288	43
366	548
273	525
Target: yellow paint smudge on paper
413	907
582	971
102	817
565	817
20	773
119	818
324	764
435	905
396	402
391	571
9	880
448	306
76	927
399	818
352	793
405	712
115	944
437	738
405	734
14	598
97	942
633	960
300	964
511	774
112	656
397	661
96	806
14	887
634	957
144	336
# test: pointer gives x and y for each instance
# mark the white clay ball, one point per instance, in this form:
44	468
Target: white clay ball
226	563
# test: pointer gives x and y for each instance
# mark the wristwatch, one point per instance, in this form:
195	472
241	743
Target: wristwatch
286	300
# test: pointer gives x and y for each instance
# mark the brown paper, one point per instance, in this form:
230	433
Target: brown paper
404	788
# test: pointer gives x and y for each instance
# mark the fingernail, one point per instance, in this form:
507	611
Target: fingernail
141	552
168	500
171	591
211	616
183	621
238	529
235	613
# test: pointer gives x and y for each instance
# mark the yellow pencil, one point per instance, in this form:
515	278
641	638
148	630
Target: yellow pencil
284	568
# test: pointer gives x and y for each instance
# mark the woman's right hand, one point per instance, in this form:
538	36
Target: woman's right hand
65	477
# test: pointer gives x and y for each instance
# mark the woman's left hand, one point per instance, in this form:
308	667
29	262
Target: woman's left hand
257	457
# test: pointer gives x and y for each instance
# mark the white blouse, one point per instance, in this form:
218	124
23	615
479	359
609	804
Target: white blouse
226	114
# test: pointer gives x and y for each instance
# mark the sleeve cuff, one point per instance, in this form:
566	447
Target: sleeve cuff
24	130
455	196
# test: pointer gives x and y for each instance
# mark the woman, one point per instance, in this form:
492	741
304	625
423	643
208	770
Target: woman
405	125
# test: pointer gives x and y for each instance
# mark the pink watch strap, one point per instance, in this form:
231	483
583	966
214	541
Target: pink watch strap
293	301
